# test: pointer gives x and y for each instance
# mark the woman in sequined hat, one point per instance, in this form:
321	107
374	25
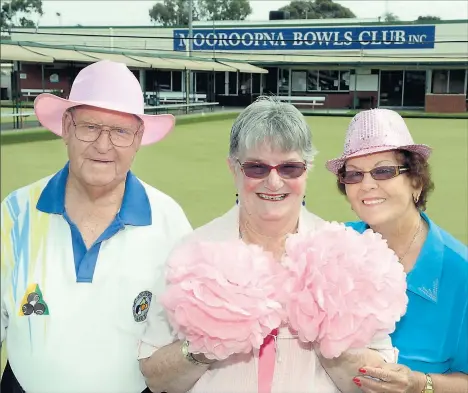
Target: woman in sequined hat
386	178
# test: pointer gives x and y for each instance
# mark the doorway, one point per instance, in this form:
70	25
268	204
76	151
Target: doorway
391	88
405	88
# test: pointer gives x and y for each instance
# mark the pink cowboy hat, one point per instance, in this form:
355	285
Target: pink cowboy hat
108	85
374	131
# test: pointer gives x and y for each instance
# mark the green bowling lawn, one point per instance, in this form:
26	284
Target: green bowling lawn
190	165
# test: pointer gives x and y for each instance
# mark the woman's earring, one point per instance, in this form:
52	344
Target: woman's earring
237	199
303	201
415	199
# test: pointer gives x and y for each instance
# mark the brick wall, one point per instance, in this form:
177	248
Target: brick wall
370	98
445	103
343	100
34	78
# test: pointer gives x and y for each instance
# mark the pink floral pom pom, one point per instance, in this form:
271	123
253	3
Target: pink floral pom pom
221	297
345	288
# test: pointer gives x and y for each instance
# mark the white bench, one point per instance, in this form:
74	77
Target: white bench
303	100
165	108
36	92
17	118
173	97
21	114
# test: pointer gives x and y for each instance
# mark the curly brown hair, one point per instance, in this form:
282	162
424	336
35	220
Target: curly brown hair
419	172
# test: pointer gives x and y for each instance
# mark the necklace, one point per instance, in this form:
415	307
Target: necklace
268	238
418	229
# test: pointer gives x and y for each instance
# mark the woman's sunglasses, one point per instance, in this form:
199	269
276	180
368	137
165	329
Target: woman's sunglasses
379	173
287	170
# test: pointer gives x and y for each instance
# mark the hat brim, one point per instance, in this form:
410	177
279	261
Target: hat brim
49	110
336	164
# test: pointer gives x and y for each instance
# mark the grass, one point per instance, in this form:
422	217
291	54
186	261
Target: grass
190	165
5	111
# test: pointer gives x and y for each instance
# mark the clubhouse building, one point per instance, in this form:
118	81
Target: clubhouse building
337	64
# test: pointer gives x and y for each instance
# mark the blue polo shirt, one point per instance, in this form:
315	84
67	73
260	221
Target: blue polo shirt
66	307
135	210
432	337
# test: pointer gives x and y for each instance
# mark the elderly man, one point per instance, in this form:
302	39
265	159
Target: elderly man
80	250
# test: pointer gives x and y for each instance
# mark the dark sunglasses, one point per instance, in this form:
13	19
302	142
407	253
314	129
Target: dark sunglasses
287	170
379	173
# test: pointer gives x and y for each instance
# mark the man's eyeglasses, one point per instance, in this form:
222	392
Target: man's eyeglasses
90	132
287	170
379	173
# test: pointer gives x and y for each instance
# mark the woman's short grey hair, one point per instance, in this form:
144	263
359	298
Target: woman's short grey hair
276	123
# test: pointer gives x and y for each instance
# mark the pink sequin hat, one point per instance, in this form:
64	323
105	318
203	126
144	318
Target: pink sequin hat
374	131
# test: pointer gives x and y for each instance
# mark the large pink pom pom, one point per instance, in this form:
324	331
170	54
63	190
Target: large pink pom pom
221	297
345	288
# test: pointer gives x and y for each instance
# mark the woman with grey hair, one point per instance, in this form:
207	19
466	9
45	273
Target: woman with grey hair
270	154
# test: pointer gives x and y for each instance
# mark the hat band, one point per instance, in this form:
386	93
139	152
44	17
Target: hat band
351	152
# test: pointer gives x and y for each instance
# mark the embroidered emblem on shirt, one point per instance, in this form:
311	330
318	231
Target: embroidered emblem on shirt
33	302
431	293
141	306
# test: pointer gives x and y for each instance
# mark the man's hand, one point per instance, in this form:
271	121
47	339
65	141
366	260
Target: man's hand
394	378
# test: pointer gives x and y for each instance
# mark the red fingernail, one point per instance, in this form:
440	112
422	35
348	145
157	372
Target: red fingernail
357	381
362	371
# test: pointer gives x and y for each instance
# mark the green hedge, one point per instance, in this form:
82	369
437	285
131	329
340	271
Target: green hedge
41	134
30	135
9	104
405	114
200	118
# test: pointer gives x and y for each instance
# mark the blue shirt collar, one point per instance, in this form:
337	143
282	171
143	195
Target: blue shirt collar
135	209
424	278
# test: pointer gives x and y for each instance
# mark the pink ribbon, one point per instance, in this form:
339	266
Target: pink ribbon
266	363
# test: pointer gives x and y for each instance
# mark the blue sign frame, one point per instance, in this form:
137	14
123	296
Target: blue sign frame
306	38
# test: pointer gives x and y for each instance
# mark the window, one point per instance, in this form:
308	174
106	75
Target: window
233	83
439	81
466	84
201	82
391	88
312	80
220	83
457	82
344	80
283	83
177	80
414	89
245	83
162	81
271	81
448	81
299	81
329	80
256	83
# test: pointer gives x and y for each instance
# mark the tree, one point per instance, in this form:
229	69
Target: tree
172	13
224	9
390	17
17	12
176	12
318	9
428	18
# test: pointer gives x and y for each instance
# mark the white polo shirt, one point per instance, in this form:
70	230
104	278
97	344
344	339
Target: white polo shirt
72	317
